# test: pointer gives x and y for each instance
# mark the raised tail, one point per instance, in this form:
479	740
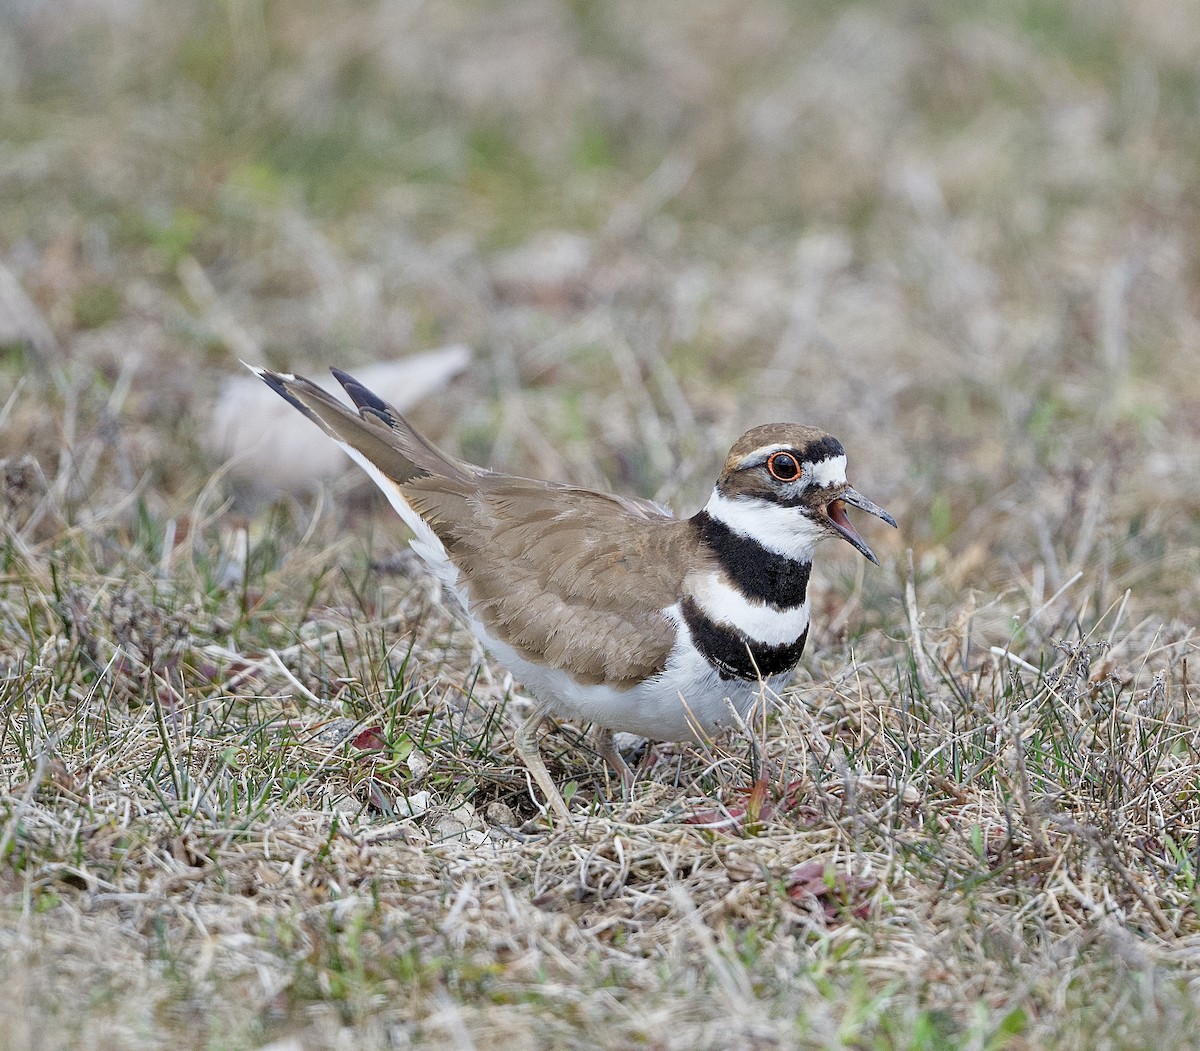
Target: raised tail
376	434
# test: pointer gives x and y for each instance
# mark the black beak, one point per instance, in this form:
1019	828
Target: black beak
835	511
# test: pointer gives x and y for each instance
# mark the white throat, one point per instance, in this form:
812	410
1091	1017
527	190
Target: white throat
782	530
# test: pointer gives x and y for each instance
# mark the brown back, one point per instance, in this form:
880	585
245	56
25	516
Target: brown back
574	578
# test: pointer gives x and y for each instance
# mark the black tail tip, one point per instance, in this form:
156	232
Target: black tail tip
275	382
361	396
279	384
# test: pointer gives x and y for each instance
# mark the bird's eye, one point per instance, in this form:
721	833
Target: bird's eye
784	467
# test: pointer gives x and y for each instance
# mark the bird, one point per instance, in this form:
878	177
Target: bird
248	423
608	608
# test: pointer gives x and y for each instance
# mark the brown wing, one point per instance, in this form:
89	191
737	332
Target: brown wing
571	577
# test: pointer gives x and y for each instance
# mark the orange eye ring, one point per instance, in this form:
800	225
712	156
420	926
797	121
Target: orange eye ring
784	466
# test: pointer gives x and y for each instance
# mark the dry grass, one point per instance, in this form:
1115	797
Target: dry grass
278	801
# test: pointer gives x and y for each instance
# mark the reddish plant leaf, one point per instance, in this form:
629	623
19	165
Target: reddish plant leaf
756	808
370	740
840	894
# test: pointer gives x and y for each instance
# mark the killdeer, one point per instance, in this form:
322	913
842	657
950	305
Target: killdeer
608	608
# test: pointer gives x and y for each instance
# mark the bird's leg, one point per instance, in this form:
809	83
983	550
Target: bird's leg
531	756
607	749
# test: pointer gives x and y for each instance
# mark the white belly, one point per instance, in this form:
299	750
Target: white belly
686	698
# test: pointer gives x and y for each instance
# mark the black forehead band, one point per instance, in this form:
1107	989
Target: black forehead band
817	451
822	449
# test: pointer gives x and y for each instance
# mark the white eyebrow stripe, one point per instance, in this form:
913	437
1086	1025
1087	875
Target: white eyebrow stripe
830	471
761	455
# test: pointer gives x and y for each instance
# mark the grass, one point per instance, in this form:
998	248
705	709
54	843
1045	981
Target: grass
258	787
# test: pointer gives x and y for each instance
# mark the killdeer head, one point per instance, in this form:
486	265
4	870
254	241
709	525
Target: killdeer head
783	489
609	609
785	485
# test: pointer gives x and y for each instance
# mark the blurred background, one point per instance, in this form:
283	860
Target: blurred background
962	235
959	235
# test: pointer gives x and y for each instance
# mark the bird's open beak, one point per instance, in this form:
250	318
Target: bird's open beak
835	511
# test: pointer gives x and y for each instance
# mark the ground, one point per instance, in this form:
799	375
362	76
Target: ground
257	785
